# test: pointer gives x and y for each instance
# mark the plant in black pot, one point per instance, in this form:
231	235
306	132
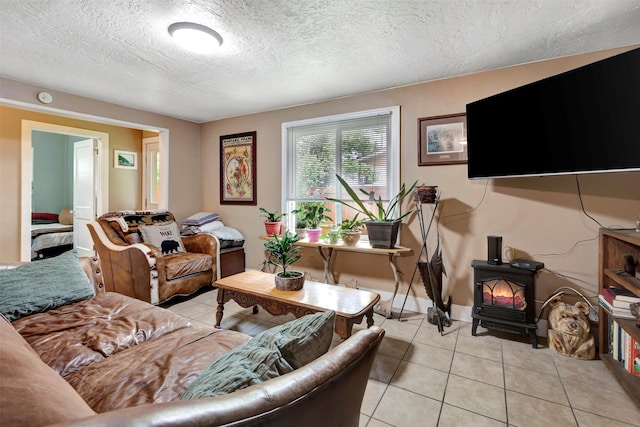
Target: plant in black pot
382	226
283	252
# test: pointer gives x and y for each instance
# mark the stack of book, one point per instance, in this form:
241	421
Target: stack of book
617	301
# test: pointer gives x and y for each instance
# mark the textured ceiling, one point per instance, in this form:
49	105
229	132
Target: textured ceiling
280	53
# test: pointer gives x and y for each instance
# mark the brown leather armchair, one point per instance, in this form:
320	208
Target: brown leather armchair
142	270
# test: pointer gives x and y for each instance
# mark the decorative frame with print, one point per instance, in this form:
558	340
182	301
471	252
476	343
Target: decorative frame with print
125	159
238	169
442	140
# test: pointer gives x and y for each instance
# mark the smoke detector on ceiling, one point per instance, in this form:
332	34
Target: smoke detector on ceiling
45	97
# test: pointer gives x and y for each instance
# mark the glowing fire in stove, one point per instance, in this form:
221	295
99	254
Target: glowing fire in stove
504	293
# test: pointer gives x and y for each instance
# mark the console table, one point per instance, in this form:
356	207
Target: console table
327	250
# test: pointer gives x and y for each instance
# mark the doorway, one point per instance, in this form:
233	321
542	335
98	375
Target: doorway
97	185
102	204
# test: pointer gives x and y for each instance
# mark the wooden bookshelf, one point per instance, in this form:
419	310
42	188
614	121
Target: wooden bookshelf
614	244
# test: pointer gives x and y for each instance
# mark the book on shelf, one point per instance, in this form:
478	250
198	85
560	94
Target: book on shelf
623	313
632	361
624	304
606	296
623	294
606	300
614	347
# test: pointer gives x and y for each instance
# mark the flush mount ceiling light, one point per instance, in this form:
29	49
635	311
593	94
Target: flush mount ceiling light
195	37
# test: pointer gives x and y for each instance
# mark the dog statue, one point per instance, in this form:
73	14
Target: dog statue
569	330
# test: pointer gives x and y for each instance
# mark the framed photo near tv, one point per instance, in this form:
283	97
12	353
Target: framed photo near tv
442	140
238	169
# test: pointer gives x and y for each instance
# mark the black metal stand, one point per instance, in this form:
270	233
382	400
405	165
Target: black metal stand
424	233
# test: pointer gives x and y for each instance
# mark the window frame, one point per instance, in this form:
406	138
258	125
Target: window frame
393	154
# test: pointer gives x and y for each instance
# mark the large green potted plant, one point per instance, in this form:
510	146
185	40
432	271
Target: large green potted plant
382	226
283	252
272	221
313	213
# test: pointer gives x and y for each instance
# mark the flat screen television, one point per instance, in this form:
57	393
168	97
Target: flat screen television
586	120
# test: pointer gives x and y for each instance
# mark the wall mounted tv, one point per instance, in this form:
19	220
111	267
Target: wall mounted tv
586	120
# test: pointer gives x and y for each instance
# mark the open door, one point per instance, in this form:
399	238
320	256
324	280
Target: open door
84	193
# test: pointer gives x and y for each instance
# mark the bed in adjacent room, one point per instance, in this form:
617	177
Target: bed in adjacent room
51	234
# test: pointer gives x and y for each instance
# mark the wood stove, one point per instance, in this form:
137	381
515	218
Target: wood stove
503	299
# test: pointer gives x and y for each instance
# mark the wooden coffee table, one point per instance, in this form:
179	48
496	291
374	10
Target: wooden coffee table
253	288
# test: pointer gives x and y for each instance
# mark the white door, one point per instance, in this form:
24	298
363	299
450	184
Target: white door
151	173
84	194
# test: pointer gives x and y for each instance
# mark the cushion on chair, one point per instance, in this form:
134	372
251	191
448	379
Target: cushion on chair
165	236
185	263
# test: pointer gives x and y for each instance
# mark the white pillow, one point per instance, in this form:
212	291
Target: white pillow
164	235
210	227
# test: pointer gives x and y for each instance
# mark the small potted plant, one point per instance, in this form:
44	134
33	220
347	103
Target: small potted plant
351	230
382	226
313	213
333	235
301	227
272	221
283	252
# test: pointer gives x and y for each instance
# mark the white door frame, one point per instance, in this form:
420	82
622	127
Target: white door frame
147	169
102	171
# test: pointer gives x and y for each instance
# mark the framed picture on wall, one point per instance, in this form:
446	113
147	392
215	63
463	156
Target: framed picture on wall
238	169
125	159
442	140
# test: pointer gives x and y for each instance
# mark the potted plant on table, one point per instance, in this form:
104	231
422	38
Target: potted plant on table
313	213
382	226
301	227
283	252
351	230
333	235
272	221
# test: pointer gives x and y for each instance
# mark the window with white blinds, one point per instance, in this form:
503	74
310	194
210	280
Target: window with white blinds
361	147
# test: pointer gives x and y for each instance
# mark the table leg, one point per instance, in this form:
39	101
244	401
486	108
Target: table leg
326	259
343	327
369	315
220	310
384	307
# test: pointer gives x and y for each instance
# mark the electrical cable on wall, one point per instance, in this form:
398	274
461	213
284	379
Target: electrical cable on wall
593	311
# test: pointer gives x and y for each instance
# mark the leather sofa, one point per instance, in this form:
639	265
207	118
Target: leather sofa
127	362
145	271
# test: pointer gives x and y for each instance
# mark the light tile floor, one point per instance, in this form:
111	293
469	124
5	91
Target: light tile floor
421	378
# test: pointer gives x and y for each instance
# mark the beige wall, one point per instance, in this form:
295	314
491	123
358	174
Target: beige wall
20	103
536	216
